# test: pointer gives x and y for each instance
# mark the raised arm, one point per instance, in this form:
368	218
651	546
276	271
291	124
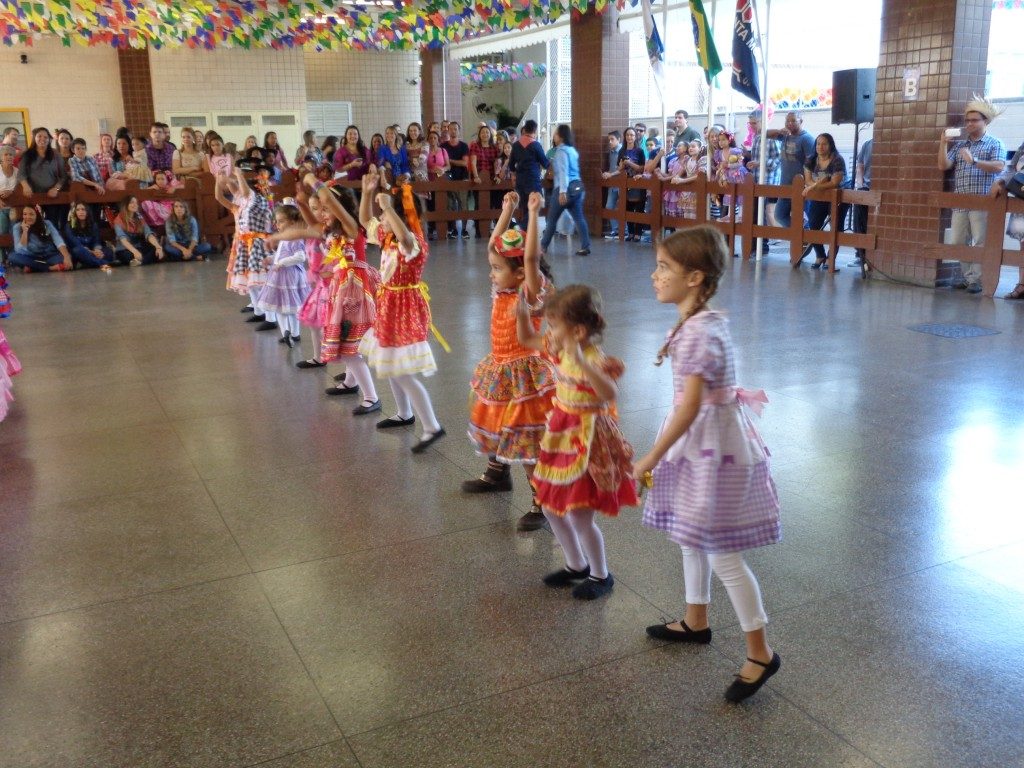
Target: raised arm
218	193
528	337
370	182
331	203
531	253
396	222
508	207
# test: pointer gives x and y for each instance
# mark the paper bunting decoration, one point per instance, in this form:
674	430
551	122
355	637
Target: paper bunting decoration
316	24
480	74
1008	5
794	98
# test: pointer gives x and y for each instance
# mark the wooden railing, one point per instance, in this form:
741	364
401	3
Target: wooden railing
744	229
989	254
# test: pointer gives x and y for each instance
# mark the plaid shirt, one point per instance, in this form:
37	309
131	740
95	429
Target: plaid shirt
771	166
485	157
970	179
105	162
84	169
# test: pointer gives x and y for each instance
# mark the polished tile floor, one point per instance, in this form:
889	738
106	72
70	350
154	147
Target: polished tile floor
205	562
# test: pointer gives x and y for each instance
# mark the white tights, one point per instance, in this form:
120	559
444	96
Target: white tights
411	397
317	337
734	573
288	324
581	540
254	294
358	372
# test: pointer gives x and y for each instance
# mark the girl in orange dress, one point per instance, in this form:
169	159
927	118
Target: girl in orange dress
585	464
512	387
396	346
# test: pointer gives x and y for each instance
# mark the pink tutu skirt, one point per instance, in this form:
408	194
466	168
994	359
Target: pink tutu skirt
313	312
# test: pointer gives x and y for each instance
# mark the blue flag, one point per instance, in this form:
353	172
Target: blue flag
655	48
744	42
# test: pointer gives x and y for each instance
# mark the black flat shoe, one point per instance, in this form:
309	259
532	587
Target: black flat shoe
243	310
483	485
266	325
566	577
685	635
255	319
284	339
593	588
362	410
583	252
309	364
342	390
533	520
741	689
426	442
340	376
395	421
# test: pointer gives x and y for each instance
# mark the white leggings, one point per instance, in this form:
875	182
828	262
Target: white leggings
581	540
288	324
316	335
411	397
734	574
358	372
254	294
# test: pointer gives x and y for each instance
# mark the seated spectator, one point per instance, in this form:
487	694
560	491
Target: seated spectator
38	246
273	155
84	169
123	160
42	171
134	237
82	235
219	162
105	157
156	212
182	235
328	147
826	170
187	160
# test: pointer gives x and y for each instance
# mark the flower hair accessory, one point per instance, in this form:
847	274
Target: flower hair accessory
511	244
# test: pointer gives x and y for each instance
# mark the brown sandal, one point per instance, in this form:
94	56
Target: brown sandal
1016	293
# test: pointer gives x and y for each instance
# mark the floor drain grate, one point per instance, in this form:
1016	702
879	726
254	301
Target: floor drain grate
953	330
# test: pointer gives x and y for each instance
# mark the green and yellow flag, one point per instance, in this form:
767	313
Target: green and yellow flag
707	56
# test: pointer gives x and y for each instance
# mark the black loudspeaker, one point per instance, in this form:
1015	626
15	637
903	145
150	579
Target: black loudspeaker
853	96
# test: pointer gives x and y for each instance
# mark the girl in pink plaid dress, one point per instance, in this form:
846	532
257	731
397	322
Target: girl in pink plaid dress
711	486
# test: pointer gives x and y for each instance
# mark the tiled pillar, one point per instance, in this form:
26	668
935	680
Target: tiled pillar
600	96
136	89
440	87
947	41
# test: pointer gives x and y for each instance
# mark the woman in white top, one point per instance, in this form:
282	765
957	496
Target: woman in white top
8	181
187	160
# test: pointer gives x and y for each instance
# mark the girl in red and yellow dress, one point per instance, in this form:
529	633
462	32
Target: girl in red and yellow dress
585	464
512	387
396	347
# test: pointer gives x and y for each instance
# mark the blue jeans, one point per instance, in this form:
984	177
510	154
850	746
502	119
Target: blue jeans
783	211
575	208
173	253
82	255
37	261
611	205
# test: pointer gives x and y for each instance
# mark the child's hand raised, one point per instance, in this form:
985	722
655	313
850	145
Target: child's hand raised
383	200
511	200
535	202
371	180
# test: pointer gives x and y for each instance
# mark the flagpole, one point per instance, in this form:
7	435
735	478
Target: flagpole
664	113
761	203
711	92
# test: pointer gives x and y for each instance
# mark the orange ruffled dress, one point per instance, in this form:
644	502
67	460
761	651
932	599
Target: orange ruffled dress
511	388
585	462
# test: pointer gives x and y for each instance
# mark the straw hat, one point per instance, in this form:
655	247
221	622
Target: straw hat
983	107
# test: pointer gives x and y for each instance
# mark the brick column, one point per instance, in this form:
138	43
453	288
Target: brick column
600	96
136	90
440	87
947	40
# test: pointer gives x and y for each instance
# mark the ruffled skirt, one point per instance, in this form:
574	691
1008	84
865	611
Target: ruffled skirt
285	292
247	269
313	313
9	366
351	311
713	489
509	407
397	361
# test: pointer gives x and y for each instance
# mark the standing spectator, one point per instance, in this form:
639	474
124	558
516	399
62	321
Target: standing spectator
309	152
274	155
611	168
376	142
8	183
1015	228
568	191
631	163
826	170
353	157
393	158
219	162
328	148
105	157
159	151
187	160
38	246
860	212
84	169
10	139
527	162
684	132
64	139
482	155
437	168
42	171
416	150
773	158
458	158
82	235
797	149
976	161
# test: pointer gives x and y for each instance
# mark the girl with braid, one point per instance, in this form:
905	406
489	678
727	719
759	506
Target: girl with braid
711	486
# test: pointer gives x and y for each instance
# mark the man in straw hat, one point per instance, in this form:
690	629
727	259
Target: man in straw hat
976	160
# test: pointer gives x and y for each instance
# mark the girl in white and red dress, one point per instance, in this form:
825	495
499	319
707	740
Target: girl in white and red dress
396	347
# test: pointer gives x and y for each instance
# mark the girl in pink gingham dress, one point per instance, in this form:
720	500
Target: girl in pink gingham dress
711	488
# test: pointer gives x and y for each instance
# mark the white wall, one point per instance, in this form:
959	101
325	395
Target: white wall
377	84
61	87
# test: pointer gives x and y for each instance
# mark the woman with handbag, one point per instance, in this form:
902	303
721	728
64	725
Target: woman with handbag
568	191
1011	182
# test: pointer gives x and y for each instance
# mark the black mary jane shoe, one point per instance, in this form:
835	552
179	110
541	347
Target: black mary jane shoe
304	364
741	689
254	318
243	310
395	421
339	377
488	484
684	635
592	588
566	577
426	442
362	409
342	390
266	325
